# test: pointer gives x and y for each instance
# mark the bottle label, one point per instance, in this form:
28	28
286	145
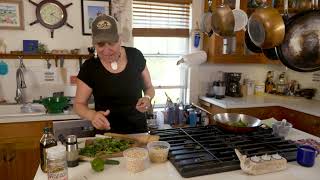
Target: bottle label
58	174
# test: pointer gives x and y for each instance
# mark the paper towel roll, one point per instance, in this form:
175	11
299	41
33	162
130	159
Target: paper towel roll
194	58
70	90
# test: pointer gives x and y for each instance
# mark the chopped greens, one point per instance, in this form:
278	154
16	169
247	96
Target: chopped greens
105	145
238	124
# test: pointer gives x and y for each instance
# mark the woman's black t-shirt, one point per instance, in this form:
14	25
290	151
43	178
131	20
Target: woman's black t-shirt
118	92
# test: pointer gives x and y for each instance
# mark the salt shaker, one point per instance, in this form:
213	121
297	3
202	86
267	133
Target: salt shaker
72	151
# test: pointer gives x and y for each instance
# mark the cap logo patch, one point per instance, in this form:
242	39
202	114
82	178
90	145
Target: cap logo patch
103	24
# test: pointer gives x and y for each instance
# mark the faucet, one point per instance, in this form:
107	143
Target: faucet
20	82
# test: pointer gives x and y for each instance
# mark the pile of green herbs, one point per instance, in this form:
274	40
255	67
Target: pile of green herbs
105	146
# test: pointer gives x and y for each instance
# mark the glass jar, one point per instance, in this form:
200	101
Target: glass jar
57	163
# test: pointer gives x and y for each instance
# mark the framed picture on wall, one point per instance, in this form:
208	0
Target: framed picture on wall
11	14
90	10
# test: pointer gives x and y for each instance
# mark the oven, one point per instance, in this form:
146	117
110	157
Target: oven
78	127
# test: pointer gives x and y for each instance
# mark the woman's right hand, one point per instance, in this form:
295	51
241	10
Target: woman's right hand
100	121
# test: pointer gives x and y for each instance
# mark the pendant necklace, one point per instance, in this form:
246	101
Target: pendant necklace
114	65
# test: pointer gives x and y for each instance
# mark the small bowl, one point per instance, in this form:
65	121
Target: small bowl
136	159
281	128
158	151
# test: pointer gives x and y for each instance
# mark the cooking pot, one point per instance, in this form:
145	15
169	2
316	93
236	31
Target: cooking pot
266	27
229	121
54	104
300	50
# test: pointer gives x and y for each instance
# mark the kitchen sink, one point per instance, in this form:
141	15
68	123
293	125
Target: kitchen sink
16	110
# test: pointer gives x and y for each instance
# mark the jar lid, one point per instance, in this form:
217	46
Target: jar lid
71	139
58	151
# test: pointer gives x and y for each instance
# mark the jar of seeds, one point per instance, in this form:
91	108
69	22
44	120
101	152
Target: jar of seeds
57	163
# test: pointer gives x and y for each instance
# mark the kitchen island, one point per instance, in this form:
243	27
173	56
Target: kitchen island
168	171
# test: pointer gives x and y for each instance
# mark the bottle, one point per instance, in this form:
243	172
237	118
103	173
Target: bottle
57	163
269	85
160	119
72	151
192	118
47	140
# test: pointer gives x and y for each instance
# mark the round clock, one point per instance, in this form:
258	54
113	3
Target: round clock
51	14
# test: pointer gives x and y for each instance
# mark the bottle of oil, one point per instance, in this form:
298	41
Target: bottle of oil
47	140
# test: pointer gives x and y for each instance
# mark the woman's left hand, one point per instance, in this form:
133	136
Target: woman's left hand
143	104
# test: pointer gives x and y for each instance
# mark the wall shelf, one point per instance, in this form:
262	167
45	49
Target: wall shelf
44	56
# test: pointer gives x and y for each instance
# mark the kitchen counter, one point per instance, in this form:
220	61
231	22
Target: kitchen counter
44	117
167	170
300	104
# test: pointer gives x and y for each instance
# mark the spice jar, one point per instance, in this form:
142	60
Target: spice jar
57	163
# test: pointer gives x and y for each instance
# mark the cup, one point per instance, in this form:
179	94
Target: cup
306	155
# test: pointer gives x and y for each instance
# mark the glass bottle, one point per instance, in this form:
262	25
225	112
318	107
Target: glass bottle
47	140
57	163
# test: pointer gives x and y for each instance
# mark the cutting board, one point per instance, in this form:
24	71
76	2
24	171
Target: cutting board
138	141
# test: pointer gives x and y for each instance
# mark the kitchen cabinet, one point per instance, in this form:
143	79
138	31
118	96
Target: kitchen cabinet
232	49
302	121
20	149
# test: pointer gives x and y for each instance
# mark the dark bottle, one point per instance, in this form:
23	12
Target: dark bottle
47	140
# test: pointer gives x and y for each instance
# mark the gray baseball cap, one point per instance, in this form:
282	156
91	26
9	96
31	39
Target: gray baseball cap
104	29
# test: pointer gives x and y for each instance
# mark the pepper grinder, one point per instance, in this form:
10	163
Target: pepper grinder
72	151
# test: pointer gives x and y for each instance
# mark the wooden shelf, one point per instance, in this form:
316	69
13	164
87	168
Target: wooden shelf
45	56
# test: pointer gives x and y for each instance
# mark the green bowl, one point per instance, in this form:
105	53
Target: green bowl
55	104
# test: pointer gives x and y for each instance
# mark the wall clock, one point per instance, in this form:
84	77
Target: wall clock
51	14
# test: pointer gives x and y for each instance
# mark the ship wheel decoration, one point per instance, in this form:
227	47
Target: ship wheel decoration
51	14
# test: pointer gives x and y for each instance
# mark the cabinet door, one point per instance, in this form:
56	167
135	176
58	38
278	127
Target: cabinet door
20	159
302	121
20	149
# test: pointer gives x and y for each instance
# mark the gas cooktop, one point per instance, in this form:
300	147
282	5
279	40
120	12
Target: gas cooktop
197	151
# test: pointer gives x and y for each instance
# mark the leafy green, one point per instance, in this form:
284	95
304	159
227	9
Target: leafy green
105	146
238	123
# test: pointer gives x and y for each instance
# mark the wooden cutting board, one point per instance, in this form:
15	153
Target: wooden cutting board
138	141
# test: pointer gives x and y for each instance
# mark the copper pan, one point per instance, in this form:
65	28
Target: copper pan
266	27
222	20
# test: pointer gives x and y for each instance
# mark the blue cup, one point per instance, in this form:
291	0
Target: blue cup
306	155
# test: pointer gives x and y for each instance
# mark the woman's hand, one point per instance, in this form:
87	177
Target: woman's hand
143	104
100	121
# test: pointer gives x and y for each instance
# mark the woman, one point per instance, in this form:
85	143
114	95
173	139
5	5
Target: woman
116	78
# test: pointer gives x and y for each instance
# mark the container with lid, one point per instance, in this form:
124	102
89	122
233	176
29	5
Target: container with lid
57	163
136	159
72	151
158	151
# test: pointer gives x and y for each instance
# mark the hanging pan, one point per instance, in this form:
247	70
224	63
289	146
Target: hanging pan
222	20
205	26
266	27
272	53
300	50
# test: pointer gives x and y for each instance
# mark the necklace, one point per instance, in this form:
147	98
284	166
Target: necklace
114	65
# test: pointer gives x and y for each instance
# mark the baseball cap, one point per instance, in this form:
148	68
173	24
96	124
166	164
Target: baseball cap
104	29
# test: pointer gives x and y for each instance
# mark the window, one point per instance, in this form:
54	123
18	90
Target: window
161	32
162	55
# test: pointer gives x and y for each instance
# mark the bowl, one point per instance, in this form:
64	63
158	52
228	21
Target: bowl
136	159
55	104
281	128
158	151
